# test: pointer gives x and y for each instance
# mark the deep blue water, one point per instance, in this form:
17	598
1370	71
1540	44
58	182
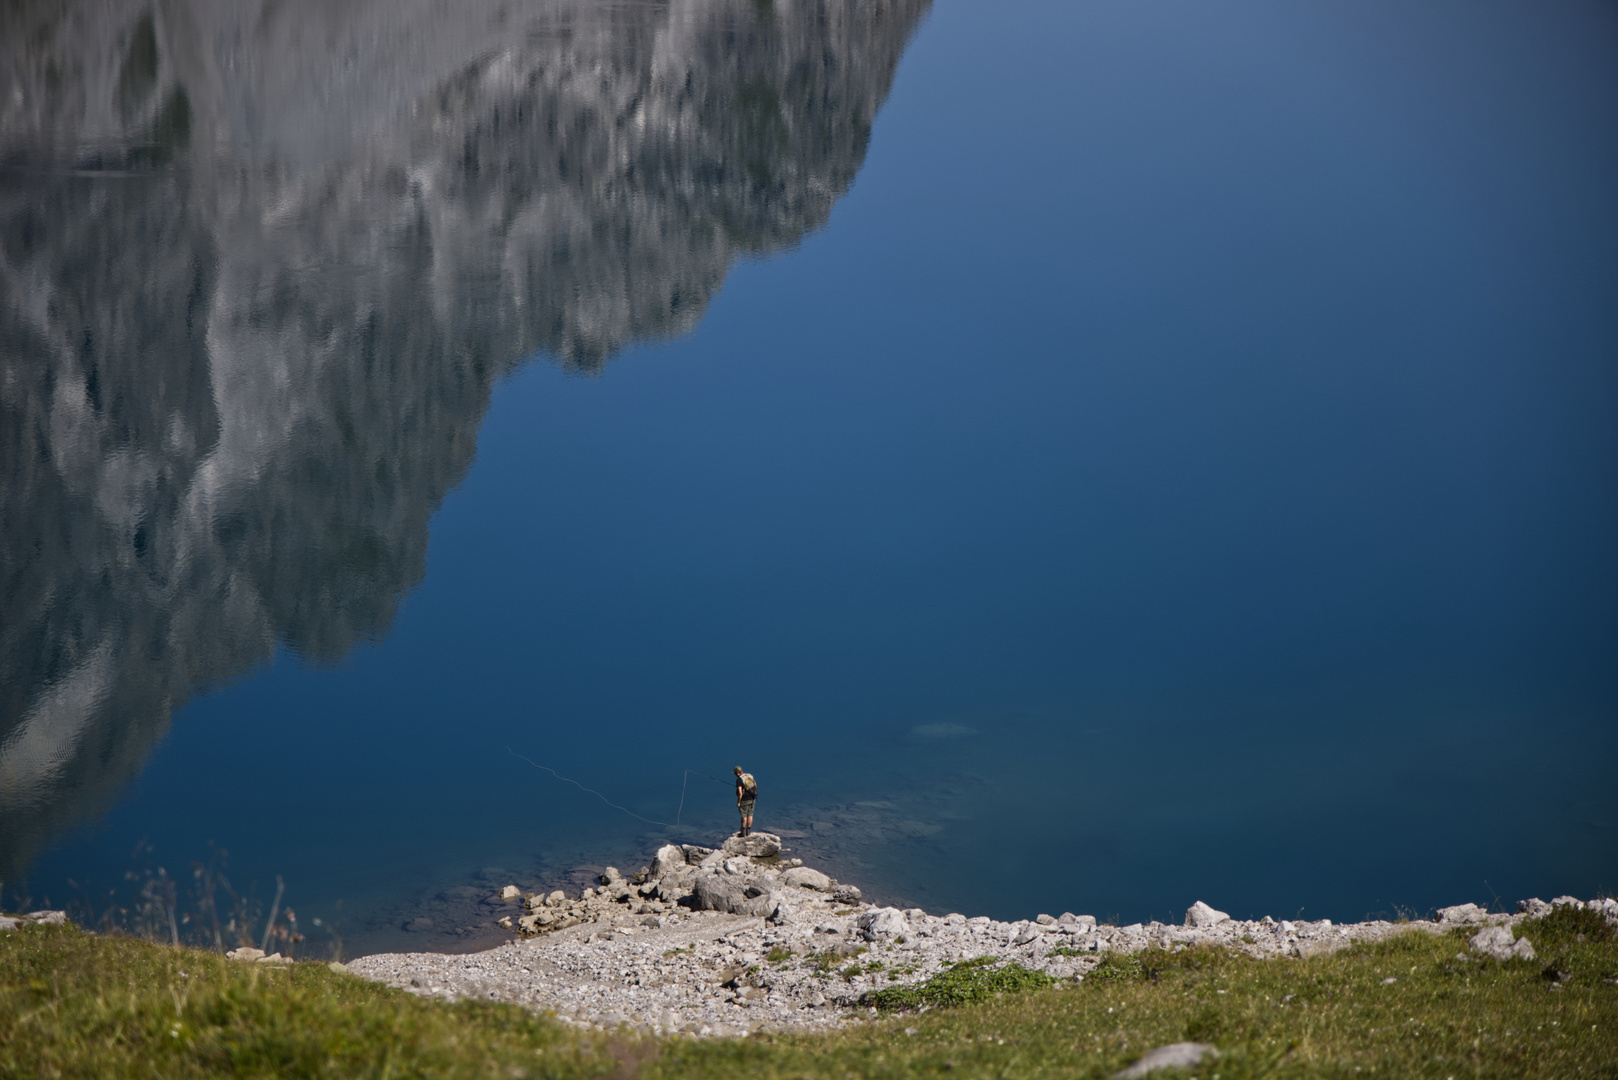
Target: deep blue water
1183	465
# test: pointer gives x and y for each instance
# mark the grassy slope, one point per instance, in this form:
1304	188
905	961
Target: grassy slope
76	1005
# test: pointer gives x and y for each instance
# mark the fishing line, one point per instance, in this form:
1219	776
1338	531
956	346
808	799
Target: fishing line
675	824
685	780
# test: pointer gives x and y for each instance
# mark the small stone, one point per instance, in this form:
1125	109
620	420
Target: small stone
505	921
245	954
510	892
1045	920
1183	1055
337	967
1200	914
1566	901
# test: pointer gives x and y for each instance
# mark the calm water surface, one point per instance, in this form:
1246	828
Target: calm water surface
1081	456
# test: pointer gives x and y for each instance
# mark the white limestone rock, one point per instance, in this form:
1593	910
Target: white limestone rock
883	923
804	877
33	918
760	845
733	893
1200	914
668	857
1496	941
1182	1055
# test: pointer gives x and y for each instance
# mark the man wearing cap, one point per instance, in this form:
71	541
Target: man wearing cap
746	795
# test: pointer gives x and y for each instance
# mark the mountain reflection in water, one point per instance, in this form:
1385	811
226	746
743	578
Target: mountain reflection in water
262	264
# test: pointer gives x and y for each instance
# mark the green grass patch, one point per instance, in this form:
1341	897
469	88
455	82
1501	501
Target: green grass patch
76	1005
959	984
1404	1008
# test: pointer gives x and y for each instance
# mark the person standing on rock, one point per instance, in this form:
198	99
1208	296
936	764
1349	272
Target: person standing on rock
746	795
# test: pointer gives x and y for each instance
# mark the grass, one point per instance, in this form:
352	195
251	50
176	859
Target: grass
960	984
76	1005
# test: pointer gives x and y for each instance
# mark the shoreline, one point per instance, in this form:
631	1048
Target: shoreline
733	940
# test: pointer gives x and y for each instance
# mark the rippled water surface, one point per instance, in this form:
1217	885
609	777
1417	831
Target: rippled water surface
1080	456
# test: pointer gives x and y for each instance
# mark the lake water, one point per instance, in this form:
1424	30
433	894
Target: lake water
1080	456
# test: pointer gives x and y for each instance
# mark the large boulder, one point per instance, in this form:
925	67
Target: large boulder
1496	941
760	845
1200	914
804	877
668	857
734	894
677	883
1462	913
882	923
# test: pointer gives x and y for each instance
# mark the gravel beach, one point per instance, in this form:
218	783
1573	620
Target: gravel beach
729	941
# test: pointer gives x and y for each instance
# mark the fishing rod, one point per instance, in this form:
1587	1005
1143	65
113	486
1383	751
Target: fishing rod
684	780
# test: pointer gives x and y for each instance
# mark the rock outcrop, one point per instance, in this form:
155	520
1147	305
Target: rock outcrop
33	918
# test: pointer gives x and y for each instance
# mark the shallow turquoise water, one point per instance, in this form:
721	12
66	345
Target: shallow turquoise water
1080	457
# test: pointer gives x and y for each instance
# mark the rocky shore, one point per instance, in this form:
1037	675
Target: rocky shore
738	939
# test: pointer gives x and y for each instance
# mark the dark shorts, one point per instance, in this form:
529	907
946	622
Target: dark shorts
746	807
